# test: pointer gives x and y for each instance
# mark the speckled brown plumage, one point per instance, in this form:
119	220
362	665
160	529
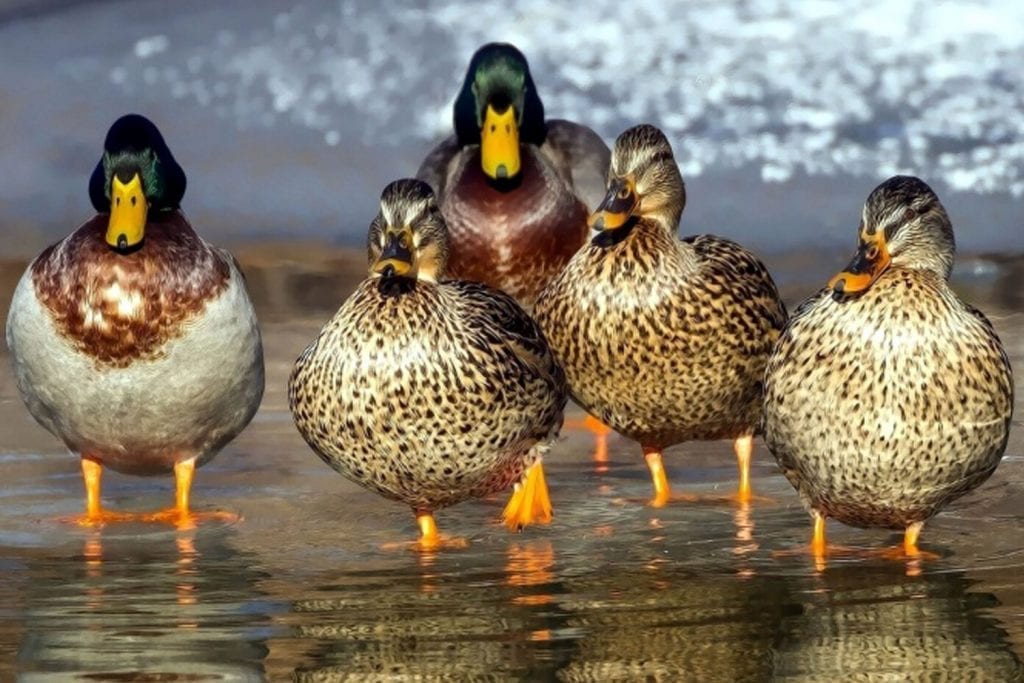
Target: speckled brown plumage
427	391
120	308
663	339
516	233
883	407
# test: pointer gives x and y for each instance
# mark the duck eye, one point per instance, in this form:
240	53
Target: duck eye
403	241
872	253
624	192
909	213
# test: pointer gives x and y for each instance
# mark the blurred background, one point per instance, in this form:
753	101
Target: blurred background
289	117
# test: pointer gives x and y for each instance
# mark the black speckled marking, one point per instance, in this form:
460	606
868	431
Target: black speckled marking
430	396
662	339
882	409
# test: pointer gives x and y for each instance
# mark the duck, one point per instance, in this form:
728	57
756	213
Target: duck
887	397
663	339
514	187
427	390
133	340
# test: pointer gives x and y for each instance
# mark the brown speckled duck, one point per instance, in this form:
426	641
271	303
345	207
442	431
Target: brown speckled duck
515	188
133	340
887	397
665	340
425	390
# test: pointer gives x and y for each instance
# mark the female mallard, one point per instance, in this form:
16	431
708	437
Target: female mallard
514	188
887	397
425	390
133	340
664	340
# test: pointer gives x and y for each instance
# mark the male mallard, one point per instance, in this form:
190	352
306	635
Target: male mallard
426	390
664	340
515	188
887	397
133	340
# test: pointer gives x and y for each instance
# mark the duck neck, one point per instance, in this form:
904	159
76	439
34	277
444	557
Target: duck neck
928	246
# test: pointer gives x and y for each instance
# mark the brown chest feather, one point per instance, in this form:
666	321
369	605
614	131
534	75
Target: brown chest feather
515	238
119	308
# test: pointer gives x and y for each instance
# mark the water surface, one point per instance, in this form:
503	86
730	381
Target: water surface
303	587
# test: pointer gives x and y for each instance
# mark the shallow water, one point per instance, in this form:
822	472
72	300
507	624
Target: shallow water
303	588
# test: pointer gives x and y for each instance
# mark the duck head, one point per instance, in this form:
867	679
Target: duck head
136	174
643	182
903	224
408	238
498	109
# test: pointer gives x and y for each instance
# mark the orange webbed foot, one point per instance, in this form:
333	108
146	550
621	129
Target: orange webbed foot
95	514
184	520
97	518
907	552
530	502
430	539
181	515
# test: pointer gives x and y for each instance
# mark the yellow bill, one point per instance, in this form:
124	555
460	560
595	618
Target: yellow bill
499	144
128	209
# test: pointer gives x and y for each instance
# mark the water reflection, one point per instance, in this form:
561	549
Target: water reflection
445	615
531	614
874	623
669	624
167	607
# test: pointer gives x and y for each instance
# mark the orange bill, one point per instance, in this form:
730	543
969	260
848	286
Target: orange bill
617	207
870	261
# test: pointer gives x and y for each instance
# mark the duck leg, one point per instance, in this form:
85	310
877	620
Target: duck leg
662	490
818	539
600	431
181	515
95	515
744	447
428	529
908	552
530	502
430	538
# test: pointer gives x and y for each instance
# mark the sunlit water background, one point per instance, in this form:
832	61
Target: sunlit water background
290	117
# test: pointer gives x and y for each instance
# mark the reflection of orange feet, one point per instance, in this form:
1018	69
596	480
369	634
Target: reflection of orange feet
530	567
430	540
600	431
530	502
